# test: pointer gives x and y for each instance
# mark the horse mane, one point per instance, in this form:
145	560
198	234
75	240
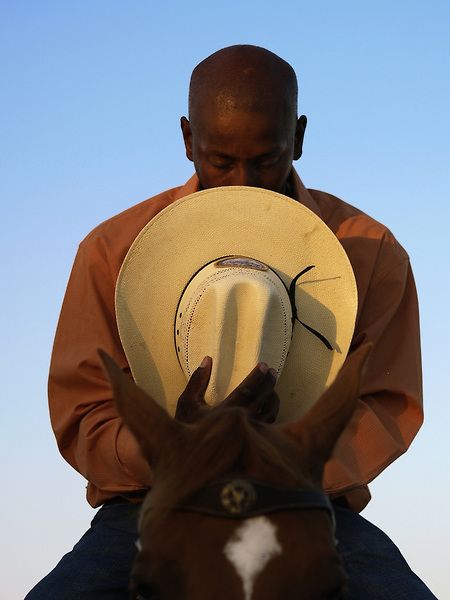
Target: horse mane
223	443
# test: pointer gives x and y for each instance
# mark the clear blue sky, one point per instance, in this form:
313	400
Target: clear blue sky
91	98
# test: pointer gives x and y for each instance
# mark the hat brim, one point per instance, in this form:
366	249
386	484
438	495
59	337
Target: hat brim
254	222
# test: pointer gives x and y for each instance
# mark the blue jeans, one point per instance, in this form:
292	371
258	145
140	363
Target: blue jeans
98	567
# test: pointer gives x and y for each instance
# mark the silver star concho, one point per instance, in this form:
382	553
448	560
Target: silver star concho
237	496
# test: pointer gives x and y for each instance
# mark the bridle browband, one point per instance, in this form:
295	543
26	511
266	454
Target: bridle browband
245	498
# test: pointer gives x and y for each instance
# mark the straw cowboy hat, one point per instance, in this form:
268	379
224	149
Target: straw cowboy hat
243	275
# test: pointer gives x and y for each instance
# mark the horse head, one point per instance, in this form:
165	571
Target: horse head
237	508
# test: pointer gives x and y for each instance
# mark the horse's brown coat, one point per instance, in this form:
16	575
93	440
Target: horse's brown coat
182	553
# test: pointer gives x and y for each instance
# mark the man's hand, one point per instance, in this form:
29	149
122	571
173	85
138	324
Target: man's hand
255	393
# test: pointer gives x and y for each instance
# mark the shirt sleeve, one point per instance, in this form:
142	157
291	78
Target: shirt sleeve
389	411
90	434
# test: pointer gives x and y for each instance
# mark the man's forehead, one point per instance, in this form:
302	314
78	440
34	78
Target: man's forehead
218	127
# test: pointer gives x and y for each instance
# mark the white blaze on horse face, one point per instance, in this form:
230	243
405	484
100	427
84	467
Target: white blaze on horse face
250	548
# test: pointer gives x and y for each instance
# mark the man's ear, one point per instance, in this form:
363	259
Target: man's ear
187	136
149	423
299	136
317	432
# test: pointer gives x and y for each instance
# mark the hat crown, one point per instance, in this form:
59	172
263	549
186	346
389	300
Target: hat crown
240	315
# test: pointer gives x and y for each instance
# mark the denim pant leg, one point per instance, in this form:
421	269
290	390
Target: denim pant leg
99	565
374	565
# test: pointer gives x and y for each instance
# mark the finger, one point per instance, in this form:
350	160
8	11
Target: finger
198	383
245	393
265	404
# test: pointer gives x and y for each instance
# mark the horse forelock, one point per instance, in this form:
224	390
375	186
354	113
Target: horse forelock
223	443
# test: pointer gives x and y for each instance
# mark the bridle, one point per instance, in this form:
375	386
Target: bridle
246	498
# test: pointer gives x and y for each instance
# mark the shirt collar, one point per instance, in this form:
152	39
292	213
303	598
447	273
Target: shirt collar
300	192
192	185
303	195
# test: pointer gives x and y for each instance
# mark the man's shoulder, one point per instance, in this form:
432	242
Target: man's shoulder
132	219
339	214
364	238
115	235
110	241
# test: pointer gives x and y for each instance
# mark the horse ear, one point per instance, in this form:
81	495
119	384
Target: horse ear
319	429
149	423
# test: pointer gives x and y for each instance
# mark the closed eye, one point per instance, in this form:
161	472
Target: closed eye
222	166
221	161
268	162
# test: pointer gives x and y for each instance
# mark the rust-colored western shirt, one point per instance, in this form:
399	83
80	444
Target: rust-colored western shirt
91	435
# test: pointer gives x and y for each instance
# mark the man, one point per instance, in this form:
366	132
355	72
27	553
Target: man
243	129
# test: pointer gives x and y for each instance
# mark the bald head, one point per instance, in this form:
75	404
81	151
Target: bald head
243	127
246	78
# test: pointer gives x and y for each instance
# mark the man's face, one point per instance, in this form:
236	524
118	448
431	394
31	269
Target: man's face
237	147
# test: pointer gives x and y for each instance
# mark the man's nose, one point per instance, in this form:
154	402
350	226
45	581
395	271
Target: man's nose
246	175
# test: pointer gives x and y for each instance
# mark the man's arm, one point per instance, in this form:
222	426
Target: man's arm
389	412
88	429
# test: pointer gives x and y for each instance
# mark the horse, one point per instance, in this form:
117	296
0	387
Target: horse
237	508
